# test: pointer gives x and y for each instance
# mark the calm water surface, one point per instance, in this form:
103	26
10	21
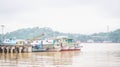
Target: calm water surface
91	55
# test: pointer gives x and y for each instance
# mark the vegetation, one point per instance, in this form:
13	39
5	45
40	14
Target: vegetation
29	33
115	36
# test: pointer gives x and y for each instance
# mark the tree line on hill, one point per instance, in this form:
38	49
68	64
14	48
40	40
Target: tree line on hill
28	33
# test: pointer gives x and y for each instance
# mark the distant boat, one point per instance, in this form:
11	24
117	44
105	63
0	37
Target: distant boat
37	46
60	43
54	46
13	41
46	46
67	44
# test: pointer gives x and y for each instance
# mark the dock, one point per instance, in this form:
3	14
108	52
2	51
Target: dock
15	48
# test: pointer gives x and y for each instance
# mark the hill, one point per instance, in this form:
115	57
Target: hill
28	33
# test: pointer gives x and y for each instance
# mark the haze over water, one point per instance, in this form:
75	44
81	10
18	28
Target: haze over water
91	55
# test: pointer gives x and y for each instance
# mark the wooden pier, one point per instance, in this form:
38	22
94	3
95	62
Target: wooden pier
15	48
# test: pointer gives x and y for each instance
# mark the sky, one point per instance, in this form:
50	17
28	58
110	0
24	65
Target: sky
68	16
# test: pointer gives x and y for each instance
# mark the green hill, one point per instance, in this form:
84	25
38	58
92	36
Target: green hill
28	33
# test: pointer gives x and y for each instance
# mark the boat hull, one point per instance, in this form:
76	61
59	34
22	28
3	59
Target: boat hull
66	48
39	50
71	48
77	49
54	50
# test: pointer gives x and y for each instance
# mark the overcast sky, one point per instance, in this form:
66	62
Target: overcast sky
68	16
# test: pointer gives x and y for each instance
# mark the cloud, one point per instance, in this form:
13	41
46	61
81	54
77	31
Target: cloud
75	16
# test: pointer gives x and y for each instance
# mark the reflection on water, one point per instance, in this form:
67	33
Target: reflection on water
43	59
92	55
12	59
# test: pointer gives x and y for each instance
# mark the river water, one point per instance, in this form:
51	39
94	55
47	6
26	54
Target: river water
91	55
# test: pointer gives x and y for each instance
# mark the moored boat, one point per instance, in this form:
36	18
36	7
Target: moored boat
38	50
68	44
71	48
54	49
54	46
38	46
77	46
64	48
